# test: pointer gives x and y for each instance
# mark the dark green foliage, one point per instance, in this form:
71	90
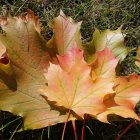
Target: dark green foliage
101	14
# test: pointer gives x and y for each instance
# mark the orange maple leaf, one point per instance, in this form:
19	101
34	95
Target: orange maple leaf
71	86
123	102
104	66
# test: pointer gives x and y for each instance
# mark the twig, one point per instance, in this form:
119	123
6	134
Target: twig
83	127
74	128
125	130
65	125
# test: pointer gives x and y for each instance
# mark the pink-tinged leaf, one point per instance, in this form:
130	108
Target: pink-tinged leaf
65	33
71	59
104	66
74	89
127	91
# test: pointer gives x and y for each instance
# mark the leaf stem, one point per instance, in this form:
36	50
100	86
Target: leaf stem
83	127
125	130
74	128
65	124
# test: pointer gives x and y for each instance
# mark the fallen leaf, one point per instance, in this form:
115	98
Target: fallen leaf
104	66
69	61
28	59
127	91
73	88
82	81
122	111
114	40
124	100
65	33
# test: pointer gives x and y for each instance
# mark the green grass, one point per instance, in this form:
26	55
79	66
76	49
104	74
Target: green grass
106	14
101	14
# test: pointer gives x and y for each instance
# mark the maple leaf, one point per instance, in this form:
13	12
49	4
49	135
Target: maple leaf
122	111
114	40
104	66
73	88
20	94
128	91
69	61
124	100
137	62
65	33
72	83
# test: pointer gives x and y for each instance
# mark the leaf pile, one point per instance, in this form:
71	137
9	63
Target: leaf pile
42	81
